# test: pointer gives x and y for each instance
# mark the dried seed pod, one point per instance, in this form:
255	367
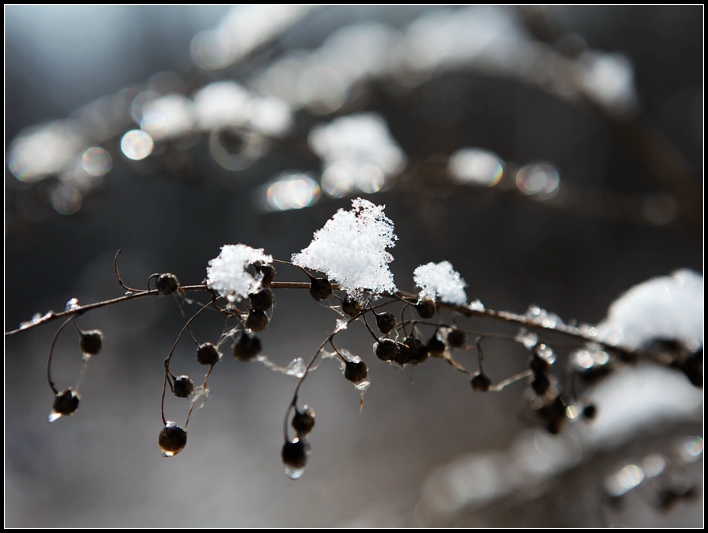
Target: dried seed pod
166	284
207	354
385	322
257	320
320	288
183	386
350	306
262	300
426	308
91	341
435	347
268	272
456	338
539	365
295	454
356	372
172	439
481	382
540	384
417	353
66	402
303	421
386	349
247	347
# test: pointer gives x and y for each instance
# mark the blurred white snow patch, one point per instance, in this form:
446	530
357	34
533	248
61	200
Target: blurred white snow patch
440	280
669	307
227	273
351	249
609	79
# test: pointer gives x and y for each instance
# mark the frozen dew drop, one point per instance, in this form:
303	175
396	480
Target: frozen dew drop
527	338
172	439
54	416
136	145
545	352
296	367
72	304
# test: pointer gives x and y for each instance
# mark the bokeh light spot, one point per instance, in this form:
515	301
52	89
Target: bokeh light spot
96	161
136	145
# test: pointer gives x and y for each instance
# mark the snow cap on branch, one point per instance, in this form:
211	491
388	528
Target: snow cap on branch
669	307
227	273
439	280
351	249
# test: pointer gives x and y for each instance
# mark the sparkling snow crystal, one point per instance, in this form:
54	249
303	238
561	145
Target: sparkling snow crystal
668	307
439	280
227	273
351	249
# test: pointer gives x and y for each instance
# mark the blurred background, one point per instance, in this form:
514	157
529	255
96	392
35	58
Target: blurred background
552	155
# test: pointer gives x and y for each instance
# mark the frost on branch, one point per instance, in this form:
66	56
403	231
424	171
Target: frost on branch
668	307
439	280
227	273
351	249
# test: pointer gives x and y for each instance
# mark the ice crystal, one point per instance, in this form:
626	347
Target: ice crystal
351	249
227	273
439	280
668	306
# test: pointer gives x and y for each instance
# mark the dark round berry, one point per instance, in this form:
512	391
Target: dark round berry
356	372
539	365
66	402
435	347
320	288
294	454
350	306
183	386
268	272
262	300
481	382
166	284
385	322
540	384
693	368
207	354
257	320
91	341
456	338
417	353
589	411
386	349
230	140
403	354
426	308
303	421
247	347
172	439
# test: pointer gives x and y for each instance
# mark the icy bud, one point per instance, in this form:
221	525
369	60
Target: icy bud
227	273
351	249
439	280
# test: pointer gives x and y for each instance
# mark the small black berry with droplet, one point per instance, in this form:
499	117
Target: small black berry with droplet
172	439
268	272
262	300
426	308
435	347
350	306
183	386
257	320
294	454
456	338
247	347
303	421
166	284
320	288
356	372
589	411
481	382
386	349
385	322
539	365
66	402
207	354
91	341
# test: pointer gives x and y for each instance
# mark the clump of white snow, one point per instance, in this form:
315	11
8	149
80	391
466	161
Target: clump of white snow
668	307
227	273
439	280
351	249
